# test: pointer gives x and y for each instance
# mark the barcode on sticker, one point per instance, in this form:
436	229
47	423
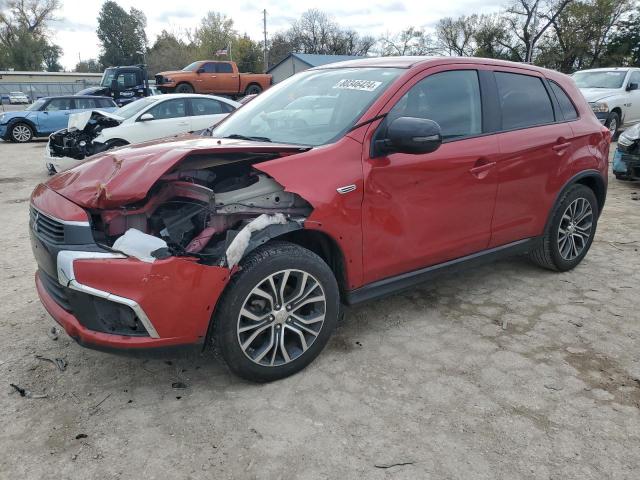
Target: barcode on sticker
364	85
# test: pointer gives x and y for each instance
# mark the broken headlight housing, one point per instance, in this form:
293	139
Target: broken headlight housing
629	136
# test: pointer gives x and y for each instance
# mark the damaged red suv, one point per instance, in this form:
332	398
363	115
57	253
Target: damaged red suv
339	185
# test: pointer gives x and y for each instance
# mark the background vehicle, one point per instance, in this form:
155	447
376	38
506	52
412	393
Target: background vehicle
216	77
424	166
46	115
17	98
613	95
123	84
626	160
140	121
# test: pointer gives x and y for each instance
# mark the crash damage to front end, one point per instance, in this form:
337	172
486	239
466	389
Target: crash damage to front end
626	159
78	141
135	247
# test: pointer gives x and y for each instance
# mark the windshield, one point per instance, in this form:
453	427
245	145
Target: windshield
600	79
130	110
107	77
37	105
313	108
191	67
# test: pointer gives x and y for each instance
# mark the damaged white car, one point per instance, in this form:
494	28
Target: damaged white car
146	119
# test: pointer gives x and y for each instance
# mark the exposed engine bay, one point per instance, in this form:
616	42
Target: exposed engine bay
77	140
212	213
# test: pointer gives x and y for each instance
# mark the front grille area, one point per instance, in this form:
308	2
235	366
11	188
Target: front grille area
55	290
48	228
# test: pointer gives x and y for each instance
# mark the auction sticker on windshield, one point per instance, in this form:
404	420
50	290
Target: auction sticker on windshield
364	85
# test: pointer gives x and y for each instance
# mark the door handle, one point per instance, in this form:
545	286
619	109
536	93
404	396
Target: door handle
481	168
561	146
214	76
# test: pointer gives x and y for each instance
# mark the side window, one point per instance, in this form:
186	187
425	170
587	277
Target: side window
169	109
127	80
634	77
209	67
85	103
451	99
104	103
58	104
224	68
566	105
524	101
206	106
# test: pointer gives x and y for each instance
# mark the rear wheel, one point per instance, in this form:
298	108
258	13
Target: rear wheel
21	133
253	89
278	312
184	88
570	233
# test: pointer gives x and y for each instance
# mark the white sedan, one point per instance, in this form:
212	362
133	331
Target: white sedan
18	97
146	119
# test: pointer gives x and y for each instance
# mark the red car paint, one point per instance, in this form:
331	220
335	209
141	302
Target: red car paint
406	212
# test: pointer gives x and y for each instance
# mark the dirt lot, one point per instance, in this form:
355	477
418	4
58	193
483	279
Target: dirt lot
427	384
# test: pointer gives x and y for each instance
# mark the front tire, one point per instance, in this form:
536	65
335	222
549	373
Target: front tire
277	313
184	88
21	133
570	232
613	123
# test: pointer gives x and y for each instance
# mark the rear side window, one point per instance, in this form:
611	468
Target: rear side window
84	103
104	103
566	105
59	104
451	99
169	109
524	101
224	68
206	106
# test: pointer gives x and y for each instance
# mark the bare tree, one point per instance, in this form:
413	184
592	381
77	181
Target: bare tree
411	41
455	36
529	20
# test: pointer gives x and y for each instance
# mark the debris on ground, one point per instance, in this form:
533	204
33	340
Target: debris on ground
53	333
179	385
391	465
81	435
26	393
61	363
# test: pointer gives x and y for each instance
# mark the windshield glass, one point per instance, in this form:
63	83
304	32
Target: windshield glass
311	108
37	105
601	79
107	77
191	67
130	110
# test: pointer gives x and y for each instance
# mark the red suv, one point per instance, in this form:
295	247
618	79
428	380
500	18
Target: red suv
341	184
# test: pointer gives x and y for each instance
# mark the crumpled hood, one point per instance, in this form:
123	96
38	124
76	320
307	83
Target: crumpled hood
125	175
597	94
77	121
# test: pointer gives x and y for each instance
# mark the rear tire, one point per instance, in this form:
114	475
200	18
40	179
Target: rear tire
570	232
184	88
21	133
277	313
253	89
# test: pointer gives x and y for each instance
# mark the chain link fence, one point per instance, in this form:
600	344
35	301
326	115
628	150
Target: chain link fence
35	90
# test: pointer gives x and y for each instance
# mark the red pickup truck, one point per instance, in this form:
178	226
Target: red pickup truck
207	76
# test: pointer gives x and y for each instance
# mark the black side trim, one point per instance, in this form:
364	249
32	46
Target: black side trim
579	176
395	284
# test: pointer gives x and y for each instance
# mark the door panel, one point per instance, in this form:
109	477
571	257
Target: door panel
227	81
529	162
633	111
421	210
55	115
207	81
169	119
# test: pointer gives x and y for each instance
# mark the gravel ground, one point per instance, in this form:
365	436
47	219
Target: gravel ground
502	372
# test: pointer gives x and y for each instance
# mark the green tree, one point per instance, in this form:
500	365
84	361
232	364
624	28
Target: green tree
121	34
88	66
52	54
247	54
215	33
170	52
624	47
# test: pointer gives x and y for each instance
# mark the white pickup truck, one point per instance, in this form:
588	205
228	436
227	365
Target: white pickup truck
613	94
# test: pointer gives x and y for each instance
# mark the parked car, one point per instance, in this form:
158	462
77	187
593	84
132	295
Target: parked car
612	94
46	115
222	78
140	121
253	238
626	159
18	98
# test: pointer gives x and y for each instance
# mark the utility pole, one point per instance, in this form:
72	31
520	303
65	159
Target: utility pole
264	22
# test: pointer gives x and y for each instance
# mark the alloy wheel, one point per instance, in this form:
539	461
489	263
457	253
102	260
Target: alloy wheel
613	126
21	133
575	229
281	317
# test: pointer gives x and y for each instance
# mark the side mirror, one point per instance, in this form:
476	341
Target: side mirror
632	86
145	117
412	135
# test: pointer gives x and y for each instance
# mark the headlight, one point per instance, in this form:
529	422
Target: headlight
630	135
2	118
599	107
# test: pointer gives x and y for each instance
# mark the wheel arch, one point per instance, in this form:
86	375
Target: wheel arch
25	120
589	178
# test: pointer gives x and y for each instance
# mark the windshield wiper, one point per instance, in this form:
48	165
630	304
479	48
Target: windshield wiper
237	136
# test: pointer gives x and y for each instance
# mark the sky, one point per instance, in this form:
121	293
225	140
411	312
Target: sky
74	30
